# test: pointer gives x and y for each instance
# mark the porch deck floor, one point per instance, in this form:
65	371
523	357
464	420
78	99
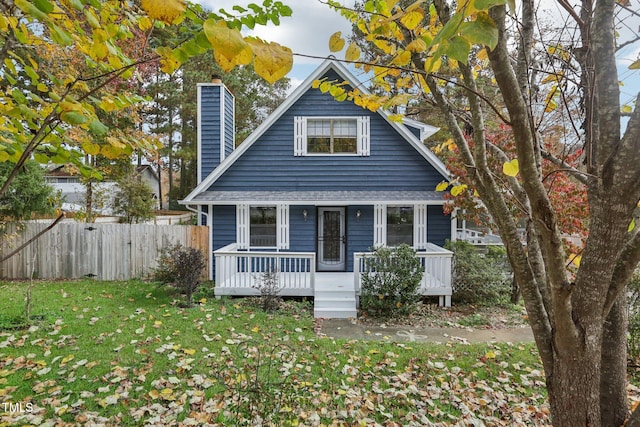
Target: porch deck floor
335	280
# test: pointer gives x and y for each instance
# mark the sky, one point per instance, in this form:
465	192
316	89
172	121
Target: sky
308	30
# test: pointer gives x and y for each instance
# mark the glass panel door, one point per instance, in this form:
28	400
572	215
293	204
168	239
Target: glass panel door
331	239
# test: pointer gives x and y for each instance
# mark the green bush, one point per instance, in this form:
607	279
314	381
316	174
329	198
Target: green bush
479	277
181	268
391	281
633	312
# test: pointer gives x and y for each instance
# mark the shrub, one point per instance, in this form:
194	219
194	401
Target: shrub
633	312
181	268
391	281
133	200
269	286
479	277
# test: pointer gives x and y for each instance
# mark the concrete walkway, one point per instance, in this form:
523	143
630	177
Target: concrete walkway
350	329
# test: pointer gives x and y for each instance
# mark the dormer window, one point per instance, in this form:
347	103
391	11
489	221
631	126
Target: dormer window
331	136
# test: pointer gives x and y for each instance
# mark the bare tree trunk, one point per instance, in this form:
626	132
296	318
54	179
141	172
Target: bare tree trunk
574	389
613	380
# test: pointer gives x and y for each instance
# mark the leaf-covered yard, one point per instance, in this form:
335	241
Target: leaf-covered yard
126	353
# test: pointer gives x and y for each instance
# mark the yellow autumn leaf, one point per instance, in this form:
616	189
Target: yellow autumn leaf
189	351
352	53
168	62
255	329
635	65
456	190
412	19
167	11
632	225
90	148
417	46
272	61
442	186
66	359
490	355
336	42
576	259
627	109
511	168
482	55
229	47
167	394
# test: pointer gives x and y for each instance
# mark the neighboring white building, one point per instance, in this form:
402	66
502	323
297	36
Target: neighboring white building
74	192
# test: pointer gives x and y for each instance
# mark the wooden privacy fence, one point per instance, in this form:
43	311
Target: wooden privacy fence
103	251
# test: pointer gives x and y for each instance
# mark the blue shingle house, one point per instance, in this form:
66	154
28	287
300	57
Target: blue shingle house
312	190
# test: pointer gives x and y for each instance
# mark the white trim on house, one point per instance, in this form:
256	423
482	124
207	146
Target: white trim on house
291	99
242	225
199	134
379	225
282	227
420	225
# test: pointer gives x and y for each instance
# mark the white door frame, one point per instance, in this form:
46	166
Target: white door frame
337	255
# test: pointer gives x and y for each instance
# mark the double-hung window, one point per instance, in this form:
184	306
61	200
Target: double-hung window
331	136
399	225
262	227
395	225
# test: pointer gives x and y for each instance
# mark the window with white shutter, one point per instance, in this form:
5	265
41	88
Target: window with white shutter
262	227
331	136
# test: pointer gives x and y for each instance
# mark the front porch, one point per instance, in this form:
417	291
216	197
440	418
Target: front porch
241	272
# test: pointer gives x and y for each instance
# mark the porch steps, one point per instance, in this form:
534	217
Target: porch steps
335	299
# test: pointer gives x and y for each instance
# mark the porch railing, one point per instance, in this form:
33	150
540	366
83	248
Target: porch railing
238	271
436	279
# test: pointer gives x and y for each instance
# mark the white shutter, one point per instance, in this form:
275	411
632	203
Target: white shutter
420	226
379	225
283	226
364	140
300	136
242	226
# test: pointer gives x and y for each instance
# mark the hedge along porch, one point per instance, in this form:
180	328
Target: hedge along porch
317	183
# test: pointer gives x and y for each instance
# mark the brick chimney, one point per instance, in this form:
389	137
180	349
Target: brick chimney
216	125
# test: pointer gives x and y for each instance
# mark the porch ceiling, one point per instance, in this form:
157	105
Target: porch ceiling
319	197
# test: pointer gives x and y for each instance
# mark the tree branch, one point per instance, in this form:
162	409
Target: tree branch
33	239
565	167
624	268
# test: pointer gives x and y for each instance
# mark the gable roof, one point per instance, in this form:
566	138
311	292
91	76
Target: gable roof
341	70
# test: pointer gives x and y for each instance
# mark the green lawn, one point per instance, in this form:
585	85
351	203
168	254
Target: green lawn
126	353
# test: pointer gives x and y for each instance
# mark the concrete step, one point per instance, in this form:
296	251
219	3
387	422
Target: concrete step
320	294
337	302
335	313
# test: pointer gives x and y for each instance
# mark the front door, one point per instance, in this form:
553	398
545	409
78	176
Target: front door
331	239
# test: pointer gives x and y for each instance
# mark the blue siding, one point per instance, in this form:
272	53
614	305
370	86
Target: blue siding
269	164
216	102
438	225
414	131
302	234
223	228
359	232
209	111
